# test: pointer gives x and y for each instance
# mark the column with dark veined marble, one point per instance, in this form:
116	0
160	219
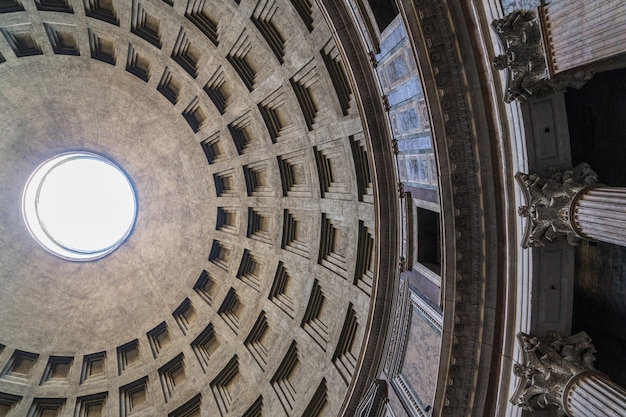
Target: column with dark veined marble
559	372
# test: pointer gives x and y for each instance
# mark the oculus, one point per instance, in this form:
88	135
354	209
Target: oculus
79	206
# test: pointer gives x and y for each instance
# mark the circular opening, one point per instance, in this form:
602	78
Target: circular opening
79	206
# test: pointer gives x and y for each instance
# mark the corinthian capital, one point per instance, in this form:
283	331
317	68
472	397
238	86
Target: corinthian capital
549	364
525	60
549	203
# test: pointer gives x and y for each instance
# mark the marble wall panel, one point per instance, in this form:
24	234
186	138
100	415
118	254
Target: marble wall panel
421	359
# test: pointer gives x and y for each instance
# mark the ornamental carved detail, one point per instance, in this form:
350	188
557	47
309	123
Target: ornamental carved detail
395	147
402	264
525	60
549	364
401	190
549	204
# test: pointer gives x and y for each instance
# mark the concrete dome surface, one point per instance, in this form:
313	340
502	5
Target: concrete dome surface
246	284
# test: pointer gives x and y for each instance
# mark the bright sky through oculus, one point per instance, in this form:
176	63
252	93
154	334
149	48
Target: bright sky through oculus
79	206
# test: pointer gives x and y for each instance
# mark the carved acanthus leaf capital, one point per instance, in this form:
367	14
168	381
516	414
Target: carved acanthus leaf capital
549	364
549	204
525	60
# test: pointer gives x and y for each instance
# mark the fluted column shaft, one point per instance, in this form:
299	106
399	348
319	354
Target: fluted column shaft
600	214
582	33
592	394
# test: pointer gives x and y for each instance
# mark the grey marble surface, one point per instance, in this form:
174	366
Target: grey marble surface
510	5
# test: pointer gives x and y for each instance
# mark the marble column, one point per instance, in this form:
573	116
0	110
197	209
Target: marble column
583	34
571	206
591	393
600	214
559	372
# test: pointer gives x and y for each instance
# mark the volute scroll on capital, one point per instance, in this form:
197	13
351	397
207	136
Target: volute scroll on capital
549	365
525	59
550	202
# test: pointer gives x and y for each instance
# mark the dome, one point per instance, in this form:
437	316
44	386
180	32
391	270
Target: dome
321	204
246	280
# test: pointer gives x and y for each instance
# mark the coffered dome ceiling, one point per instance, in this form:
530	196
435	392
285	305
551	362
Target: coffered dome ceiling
246	285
